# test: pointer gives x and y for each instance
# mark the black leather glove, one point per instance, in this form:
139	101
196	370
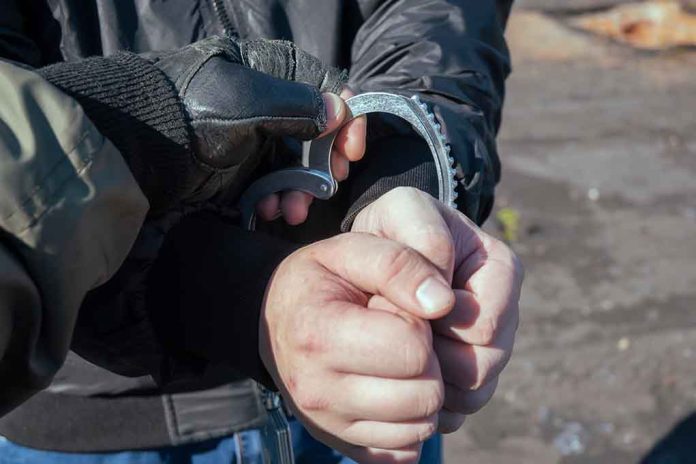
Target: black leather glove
194	123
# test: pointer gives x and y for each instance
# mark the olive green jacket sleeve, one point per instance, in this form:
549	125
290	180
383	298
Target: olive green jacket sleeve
70	211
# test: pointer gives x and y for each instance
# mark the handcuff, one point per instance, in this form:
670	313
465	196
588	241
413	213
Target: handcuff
315	177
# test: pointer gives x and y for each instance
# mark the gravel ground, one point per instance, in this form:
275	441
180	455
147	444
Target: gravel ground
599	153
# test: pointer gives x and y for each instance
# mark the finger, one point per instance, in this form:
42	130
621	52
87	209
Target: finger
469	367
336	112
294	206
428	233
349	339
384	267
390	435
407	455
387	400
450	422
478	321
351	139
485	259
475	248
381	303
268	209
340	166
468	401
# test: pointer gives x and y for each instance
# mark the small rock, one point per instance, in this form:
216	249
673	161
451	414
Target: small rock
607	428
628	438
690	214
571	440
623	344
593	194
534	229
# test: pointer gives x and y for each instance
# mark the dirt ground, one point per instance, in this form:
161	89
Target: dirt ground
599	152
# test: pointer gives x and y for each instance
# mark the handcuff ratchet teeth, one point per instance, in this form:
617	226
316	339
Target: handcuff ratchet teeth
315	176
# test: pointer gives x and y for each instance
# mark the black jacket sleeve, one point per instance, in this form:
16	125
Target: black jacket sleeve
452	53
180	300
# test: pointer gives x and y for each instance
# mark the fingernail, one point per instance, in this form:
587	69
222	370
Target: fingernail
334	106
433	295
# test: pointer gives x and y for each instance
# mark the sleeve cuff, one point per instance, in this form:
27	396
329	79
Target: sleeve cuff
137	108
207	290
395	161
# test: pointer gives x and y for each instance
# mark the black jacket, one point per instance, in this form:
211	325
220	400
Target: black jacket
153	323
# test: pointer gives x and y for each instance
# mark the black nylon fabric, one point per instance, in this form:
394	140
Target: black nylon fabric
451	52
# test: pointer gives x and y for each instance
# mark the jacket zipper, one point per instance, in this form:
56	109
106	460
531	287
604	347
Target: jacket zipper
221	12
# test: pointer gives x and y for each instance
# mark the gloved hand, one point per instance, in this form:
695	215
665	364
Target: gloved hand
193	124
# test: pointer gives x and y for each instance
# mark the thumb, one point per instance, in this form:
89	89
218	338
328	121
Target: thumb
377	266
336	112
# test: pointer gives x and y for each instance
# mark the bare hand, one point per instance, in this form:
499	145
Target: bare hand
475	340
349	146
365	382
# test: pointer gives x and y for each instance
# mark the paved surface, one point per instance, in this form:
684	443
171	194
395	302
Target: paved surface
599	149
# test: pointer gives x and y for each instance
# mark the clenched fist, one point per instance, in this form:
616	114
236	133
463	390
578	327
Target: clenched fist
474	341
364	381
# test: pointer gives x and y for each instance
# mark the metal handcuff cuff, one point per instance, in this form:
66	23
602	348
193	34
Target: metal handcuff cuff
316	178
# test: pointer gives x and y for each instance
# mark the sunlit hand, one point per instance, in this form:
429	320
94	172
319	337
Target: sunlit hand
475	340
365	382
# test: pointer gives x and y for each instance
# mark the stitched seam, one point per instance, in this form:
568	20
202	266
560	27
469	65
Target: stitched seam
255	119
173	416
41	186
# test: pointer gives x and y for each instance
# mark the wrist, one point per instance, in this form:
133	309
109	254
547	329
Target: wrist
208	290
381	171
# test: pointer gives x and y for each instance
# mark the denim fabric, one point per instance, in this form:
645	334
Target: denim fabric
246	448
310	451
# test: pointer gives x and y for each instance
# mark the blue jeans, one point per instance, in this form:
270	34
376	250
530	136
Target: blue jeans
218	451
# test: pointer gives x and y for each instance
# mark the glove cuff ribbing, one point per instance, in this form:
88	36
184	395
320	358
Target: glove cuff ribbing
137	108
